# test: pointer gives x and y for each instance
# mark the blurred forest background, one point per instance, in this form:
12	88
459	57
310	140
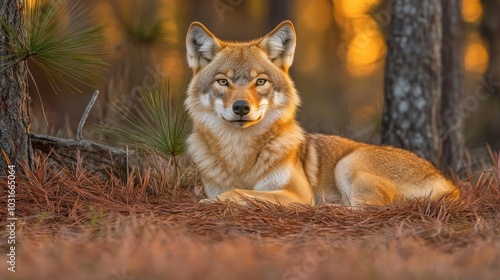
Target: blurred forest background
338	66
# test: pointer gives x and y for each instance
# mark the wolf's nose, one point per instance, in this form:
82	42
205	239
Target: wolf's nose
241	107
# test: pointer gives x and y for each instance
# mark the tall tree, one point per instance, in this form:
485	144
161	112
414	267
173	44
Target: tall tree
412	89
15	122
452	127
490	29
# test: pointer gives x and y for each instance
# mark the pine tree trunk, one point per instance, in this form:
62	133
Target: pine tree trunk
490	29
14	101
452	127
412	87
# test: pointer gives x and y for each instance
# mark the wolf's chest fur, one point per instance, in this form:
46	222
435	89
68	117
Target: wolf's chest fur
240	158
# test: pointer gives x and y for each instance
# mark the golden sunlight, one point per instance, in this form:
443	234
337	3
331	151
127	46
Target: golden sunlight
29	4
365	45
321	19
363	53
472	10
476	56
355	8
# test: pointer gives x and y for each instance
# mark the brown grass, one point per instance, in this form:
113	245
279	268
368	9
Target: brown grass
76	225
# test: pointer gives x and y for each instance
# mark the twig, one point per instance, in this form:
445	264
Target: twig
79	131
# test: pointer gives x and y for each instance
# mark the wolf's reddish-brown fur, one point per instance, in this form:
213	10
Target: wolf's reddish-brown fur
247	144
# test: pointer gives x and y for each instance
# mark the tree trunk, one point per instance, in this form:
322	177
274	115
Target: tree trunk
412	87
14	101
490	30
452	127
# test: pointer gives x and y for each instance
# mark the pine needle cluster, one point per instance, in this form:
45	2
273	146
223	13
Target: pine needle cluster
61	39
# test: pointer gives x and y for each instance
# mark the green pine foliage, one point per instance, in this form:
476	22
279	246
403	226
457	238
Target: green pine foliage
157	123
61	40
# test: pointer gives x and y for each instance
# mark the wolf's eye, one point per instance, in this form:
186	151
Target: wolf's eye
223	82
260	82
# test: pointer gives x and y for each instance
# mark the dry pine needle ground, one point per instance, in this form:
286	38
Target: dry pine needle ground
76	225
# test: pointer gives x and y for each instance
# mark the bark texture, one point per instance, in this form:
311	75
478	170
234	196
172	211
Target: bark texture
95	157
15	146
452	127
412	84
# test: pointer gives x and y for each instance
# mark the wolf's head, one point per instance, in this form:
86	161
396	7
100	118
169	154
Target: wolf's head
241	84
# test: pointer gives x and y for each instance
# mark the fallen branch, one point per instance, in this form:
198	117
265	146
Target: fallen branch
96	157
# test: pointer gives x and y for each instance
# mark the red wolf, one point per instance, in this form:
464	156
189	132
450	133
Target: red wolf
247	144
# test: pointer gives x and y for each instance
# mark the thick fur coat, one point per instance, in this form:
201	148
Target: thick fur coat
247	144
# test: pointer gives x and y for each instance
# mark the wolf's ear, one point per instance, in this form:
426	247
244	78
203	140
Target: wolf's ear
280	44
201	45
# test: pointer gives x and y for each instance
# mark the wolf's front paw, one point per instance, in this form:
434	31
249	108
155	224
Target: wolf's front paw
219	198
229	196
208	200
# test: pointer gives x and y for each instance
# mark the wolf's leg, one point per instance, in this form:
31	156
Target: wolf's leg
368	189
296	190
281	197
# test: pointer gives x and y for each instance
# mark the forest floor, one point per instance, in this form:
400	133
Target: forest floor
76	225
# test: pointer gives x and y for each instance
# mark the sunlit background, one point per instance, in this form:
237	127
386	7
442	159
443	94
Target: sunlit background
338	66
